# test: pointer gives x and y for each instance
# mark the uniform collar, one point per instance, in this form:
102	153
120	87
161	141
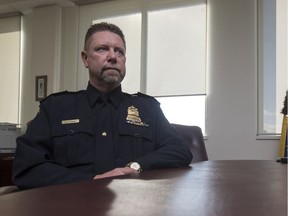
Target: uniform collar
94	94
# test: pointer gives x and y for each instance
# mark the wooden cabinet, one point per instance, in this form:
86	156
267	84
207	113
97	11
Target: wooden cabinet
6	166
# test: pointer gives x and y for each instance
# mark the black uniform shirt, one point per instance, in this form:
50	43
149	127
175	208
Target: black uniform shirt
77	135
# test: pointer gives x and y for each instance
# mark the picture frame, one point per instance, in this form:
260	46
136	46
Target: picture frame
40	87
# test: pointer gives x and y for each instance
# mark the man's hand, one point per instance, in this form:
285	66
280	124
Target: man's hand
116	172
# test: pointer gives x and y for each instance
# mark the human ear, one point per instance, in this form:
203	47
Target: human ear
84	58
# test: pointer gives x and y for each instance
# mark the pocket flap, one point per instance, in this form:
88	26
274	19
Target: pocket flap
73	128
135	131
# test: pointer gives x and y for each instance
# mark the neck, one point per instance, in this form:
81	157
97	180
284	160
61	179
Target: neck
105	88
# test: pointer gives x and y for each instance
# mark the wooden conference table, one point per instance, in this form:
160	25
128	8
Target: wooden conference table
225	188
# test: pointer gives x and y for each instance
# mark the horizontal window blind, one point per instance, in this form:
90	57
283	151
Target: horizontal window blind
166	44
10	68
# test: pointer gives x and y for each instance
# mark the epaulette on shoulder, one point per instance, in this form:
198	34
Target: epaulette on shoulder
61	93
140	94
143	95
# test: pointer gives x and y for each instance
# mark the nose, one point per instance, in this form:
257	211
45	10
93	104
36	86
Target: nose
112	56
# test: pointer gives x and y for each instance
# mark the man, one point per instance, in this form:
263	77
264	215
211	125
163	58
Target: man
98	132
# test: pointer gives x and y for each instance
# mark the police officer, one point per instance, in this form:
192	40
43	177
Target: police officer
98	132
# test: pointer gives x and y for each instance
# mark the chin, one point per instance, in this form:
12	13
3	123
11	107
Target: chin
112	80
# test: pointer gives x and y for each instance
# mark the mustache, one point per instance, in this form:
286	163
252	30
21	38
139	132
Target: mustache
110	68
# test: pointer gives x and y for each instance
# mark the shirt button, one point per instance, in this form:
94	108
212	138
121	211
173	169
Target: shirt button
104	133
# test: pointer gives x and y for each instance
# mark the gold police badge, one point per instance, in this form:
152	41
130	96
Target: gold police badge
133	117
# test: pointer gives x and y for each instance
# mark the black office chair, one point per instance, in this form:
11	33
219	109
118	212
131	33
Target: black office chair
194	139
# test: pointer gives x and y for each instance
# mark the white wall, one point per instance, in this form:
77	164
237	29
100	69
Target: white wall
232	72
49	48
232	93
70	54
38	56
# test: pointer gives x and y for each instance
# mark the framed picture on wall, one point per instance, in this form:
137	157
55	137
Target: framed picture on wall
40	87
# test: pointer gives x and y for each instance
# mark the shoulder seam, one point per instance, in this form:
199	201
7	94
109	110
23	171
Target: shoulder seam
61	93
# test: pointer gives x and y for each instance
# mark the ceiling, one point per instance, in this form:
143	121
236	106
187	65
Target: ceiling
26	6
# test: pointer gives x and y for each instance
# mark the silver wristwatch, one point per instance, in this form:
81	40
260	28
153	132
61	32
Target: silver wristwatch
134	165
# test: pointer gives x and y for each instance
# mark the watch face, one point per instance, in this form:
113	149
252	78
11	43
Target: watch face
135	166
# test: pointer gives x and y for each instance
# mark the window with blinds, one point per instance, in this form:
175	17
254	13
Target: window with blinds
10	32
166	52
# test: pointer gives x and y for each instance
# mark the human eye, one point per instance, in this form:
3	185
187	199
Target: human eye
101	49
120	52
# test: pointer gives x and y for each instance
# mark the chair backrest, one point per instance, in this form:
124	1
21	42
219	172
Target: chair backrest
194	139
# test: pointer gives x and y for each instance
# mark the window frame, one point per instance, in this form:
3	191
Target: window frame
279	97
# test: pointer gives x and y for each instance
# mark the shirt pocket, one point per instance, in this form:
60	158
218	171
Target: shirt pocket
73	144
136	131
138	140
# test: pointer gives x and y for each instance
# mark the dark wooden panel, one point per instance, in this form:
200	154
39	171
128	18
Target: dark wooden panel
6	164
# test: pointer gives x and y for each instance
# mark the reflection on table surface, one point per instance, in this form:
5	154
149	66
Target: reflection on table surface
207	188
